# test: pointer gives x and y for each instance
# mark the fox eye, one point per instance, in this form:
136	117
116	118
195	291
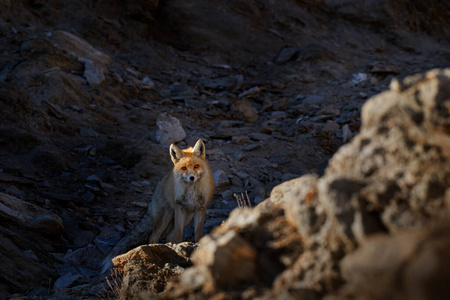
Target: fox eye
183	168
196	166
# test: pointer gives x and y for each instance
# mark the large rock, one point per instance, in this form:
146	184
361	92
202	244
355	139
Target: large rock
148	268
27	235
252	248
394	175
31	216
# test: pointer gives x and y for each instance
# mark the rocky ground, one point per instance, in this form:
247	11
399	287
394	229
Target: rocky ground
274	88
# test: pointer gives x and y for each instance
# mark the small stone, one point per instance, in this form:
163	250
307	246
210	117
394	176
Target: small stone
93	73
89	132
227	194
251	147
313	99
329	110
169	129
236	181
248	111
331	127
346	133
239	155
279	115
221	178
286	54
239	139
147	83
30	254
242	175
260	136
93	178
253	92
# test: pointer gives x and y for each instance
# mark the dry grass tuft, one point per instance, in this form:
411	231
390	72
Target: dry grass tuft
114	283
242	200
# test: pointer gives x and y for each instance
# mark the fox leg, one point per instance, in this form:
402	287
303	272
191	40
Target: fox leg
199	220
160	225
176	236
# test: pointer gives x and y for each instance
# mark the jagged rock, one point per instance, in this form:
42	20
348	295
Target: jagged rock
148	268
419	260
251	247
169	129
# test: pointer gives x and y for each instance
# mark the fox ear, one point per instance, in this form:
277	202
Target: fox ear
175	153
199	149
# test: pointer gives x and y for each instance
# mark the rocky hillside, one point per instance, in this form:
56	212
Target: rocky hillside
375	226
274	88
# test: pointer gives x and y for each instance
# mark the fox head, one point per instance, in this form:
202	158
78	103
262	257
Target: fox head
190	163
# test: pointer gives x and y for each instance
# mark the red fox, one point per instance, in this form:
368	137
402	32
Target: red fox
182	195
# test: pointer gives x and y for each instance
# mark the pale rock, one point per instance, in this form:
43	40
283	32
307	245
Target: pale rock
220	178
93	73
346	133
169	129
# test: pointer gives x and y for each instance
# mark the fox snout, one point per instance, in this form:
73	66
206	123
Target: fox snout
190	178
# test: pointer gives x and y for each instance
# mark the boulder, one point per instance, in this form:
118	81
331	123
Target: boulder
169	129
148	268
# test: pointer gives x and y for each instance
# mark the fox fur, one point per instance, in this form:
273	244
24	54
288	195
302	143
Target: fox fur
182	195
